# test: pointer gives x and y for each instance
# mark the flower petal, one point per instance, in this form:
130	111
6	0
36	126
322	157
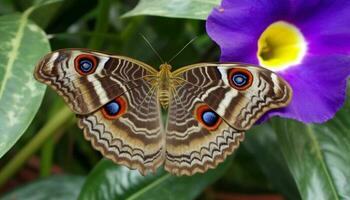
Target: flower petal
237	25
325	23
327	29
319	82
319	87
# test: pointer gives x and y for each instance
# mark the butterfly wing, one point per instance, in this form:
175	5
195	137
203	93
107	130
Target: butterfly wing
241	105
87	79
211	107
132	135
191	147
115	102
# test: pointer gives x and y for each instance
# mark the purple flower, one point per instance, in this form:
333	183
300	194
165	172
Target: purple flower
307	42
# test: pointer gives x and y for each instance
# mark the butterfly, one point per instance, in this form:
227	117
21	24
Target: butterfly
119	103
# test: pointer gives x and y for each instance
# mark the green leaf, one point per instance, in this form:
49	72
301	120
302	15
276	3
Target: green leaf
22	45
62	187
262	142
110	181
192	9
318	156
45	12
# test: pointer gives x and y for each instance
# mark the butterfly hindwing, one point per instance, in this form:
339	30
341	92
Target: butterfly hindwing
209	113
128	130
191	146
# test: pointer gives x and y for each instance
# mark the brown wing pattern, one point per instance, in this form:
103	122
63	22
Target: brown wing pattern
113	75
193	147
240	108
136	138
133	136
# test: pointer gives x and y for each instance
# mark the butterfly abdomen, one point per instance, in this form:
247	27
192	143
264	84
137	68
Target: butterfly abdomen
163	96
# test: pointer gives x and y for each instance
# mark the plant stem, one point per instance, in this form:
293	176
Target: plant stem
47	150
101	26
50	128
46	157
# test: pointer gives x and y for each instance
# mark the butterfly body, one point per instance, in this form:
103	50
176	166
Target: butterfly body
118	103
165	83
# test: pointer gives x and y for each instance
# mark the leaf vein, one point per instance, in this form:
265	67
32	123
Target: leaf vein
320	156
16	43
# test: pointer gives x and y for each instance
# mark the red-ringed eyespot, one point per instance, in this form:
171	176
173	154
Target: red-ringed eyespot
114	108
240	79
207	117
85	64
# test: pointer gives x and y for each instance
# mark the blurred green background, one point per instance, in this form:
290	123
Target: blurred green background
281	159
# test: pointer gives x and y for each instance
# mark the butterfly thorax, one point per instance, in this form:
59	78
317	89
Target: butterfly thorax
164	84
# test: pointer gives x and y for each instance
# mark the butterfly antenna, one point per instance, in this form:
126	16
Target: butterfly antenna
183	48
150	45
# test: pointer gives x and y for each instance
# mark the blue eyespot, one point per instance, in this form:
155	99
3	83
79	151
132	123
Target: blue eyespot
112	108
210	118
239	79
85	65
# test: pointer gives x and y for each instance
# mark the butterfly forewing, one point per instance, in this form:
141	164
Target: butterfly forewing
240	105
86	89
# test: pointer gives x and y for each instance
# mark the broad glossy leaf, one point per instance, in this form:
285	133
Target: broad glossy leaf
22	45
192	9
262	142
110	181
318	156
61	187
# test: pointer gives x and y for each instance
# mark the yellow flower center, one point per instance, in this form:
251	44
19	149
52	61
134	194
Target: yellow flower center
281	45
